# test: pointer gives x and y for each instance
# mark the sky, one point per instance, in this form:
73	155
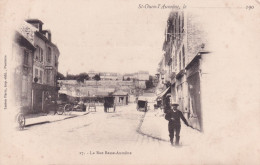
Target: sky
113	36
101	35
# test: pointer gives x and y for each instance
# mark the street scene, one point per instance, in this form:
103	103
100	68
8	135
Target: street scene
127	83
109	112
179	78
93	134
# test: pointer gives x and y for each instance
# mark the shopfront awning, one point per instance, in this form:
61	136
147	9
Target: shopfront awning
164	93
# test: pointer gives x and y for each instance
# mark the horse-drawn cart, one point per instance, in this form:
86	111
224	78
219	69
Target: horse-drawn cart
142	104
109	102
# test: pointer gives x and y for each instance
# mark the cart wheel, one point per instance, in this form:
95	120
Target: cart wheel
21	120
67	108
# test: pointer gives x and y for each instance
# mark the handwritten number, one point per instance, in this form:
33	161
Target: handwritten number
249	7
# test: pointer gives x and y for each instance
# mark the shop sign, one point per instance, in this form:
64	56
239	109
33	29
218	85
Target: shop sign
48	67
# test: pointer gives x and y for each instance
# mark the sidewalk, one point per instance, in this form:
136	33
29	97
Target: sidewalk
41	118
155	126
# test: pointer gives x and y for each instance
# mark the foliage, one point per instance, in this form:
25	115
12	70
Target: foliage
71	77
97	77
79	77
60	76
82	76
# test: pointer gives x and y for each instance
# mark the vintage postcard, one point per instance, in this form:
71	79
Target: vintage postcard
129	82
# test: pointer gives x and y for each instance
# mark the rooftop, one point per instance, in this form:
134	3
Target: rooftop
34	21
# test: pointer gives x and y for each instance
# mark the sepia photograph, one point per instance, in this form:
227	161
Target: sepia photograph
129	82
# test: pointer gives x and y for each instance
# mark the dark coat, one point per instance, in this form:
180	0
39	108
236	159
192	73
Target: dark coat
174	118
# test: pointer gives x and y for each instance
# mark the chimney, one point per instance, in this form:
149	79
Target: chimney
47	34
36	23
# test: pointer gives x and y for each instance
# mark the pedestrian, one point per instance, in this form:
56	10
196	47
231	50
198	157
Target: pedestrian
167	103
174	125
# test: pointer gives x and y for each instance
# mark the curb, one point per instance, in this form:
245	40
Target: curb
40	123
150	135
139	130
47	121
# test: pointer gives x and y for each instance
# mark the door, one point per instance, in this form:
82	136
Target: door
37	100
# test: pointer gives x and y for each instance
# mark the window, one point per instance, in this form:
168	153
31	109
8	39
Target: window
49	55
121	99
40	77
175	23
26	57
182	22
36	73
56	62
175	60
180	60
48	76
39	54
179	26
183	56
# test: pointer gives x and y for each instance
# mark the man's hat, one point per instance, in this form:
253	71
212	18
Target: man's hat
175	103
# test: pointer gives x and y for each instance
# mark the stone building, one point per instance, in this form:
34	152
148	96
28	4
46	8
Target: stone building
45	63
22	67
121	97
110	76
184	48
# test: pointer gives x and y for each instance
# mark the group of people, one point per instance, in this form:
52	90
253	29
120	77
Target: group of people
173	115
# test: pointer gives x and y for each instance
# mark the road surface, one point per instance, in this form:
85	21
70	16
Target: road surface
93	136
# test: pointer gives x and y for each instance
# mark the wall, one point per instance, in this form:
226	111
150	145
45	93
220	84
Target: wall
22	76
93	87
196	35
192	36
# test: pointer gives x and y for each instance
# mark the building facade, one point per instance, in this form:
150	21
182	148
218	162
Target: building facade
110	76
45	63
184	45
22	57
121	98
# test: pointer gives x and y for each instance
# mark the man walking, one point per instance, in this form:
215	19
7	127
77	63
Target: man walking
174	125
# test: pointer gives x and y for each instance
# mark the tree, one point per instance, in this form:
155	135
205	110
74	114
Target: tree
128	79
60	76
82	76
70	77
79	77
96	77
